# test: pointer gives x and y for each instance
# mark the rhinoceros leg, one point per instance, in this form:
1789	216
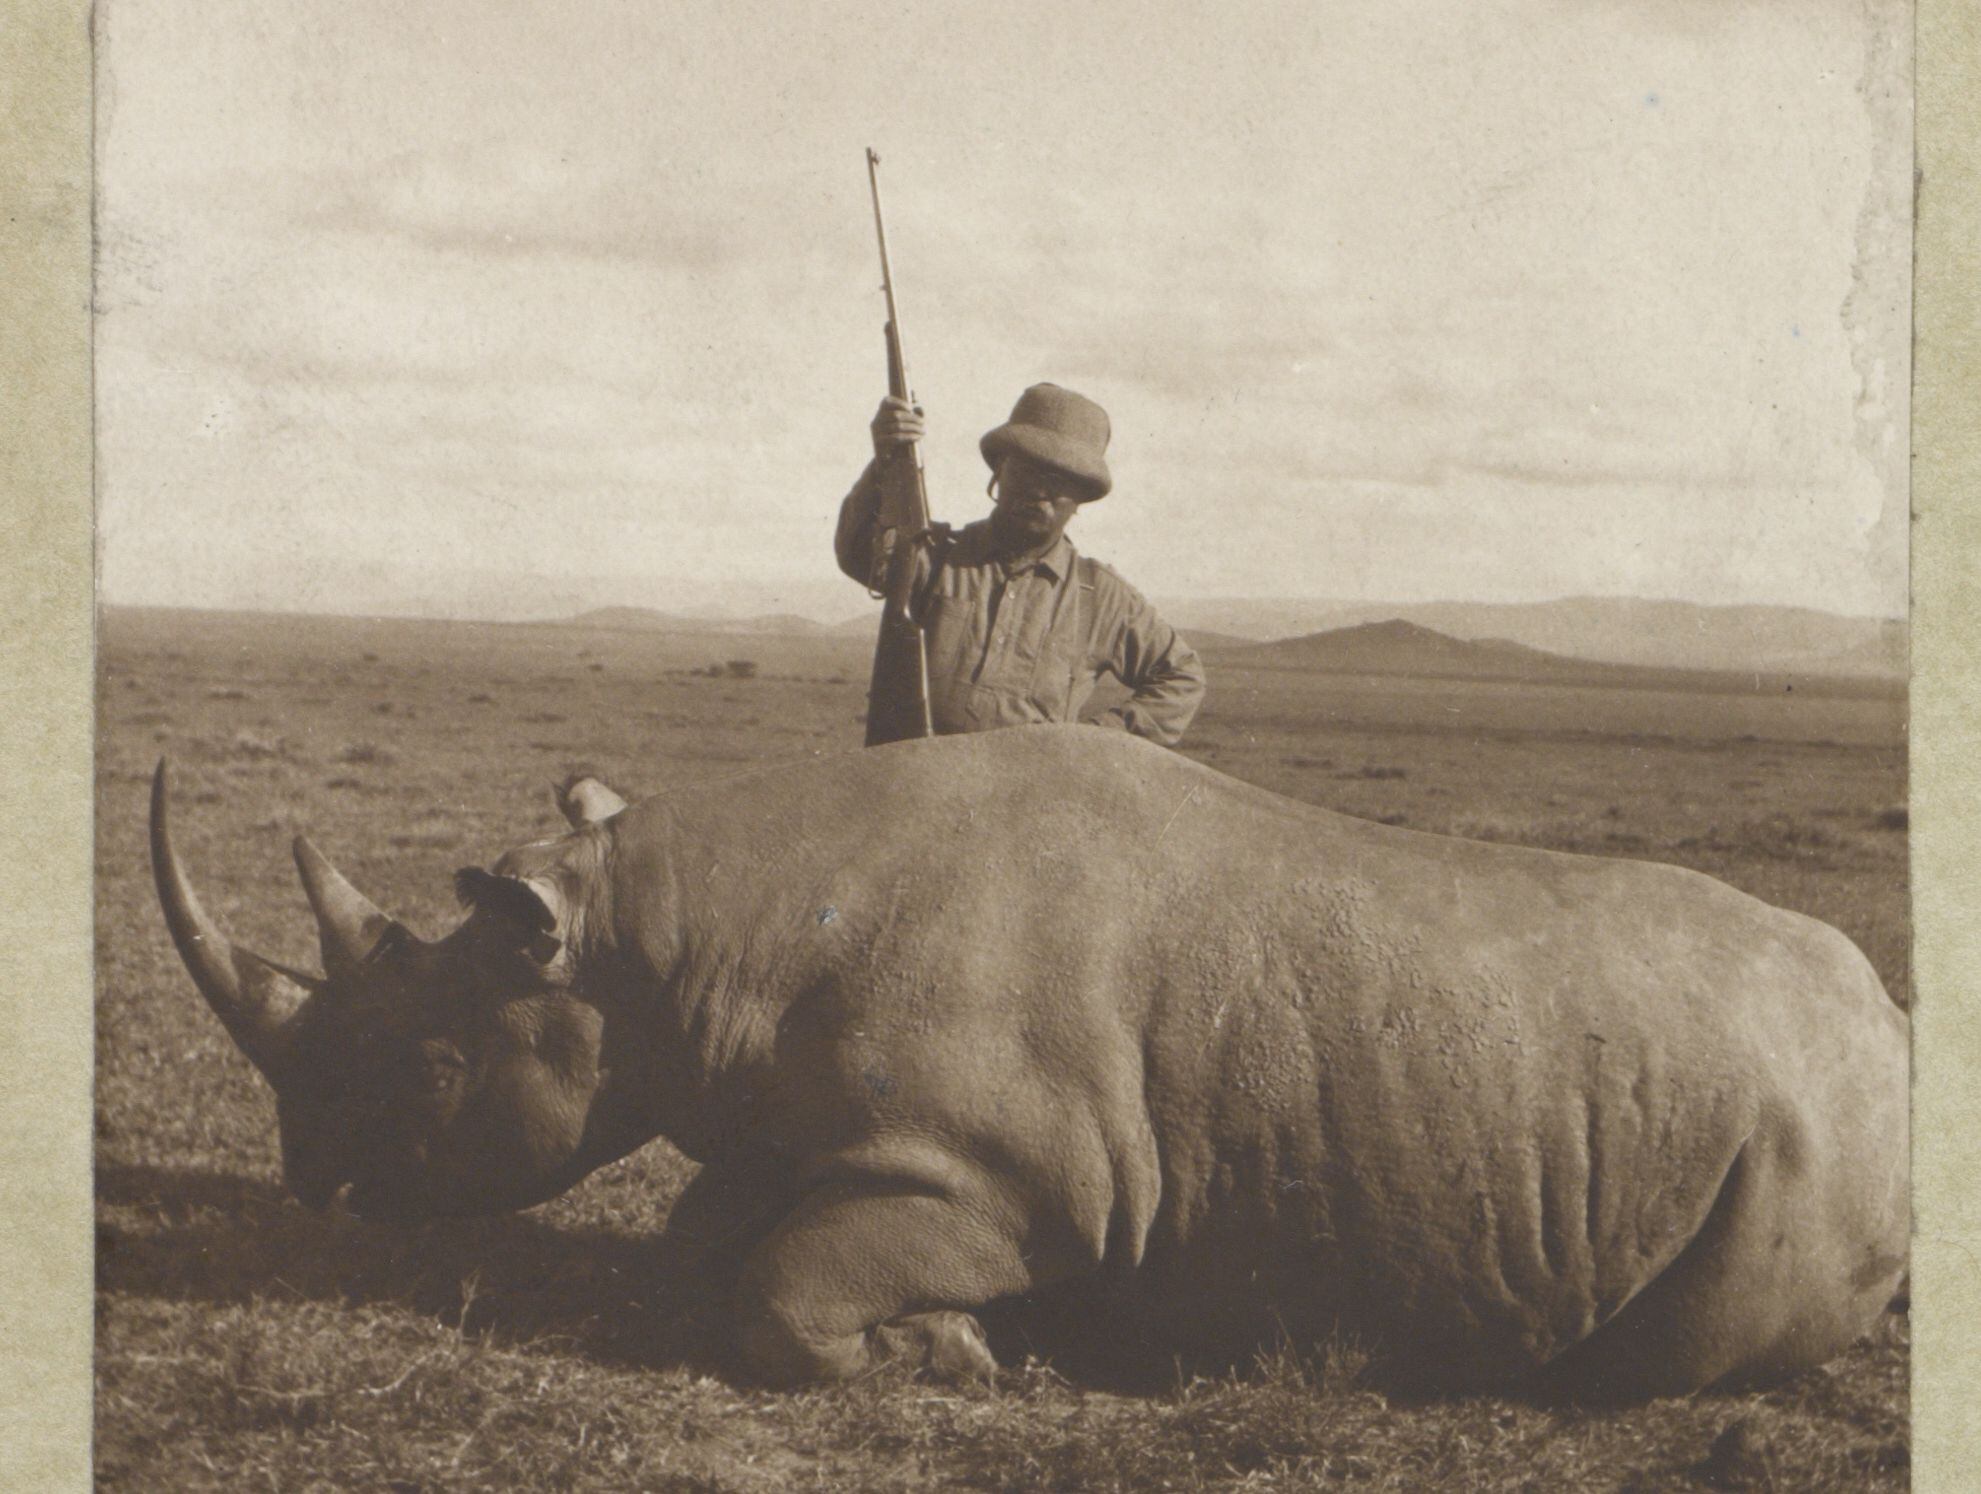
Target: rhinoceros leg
855	1277
725	1212
1793	1262
720	1217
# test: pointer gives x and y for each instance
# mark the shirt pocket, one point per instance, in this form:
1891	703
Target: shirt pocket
1061	672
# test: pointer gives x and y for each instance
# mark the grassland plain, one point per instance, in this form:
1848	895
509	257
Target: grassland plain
243	1343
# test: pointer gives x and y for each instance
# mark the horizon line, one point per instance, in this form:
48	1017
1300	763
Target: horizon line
704	615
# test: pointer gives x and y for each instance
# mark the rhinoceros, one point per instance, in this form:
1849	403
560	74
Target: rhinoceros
1050	1008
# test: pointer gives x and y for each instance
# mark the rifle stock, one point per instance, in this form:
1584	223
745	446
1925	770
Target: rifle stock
898	692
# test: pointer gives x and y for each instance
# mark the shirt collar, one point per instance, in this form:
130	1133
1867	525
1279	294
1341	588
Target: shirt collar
1056	562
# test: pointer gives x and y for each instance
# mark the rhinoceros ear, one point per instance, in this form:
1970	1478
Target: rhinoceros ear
514	905
583	800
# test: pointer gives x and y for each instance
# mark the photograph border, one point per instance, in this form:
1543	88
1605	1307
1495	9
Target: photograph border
46	717
46	709
1945	788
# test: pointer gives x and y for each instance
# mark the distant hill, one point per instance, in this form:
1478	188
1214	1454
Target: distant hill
648	620
1887	653
1603	630
1617	630
1207	640
1396	647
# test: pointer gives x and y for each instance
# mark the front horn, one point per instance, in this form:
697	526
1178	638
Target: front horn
254	998
348	926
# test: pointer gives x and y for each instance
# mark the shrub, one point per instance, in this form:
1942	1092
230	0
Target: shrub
247	744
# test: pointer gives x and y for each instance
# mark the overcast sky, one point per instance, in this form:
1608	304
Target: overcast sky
504	308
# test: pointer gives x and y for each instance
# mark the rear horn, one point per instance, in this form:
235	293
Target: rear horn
348	926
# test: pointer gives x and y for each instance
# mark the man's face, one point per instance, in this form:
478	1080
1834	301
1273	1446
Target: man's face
1033	505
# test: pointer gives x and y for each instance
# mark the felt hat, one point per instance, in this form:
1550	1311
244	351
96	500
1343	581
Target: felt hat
1058	429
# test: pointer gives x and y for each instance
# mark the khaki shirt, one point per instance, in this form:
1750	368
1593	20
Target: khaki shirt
1025	644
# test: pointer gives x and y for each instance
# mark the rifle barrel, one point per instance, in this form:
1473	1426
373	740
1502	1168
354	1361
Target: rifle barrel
886	270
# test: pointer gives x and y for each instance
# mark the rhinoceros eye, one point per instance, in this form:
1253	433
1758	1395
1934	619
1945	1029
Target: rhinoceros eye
440	1068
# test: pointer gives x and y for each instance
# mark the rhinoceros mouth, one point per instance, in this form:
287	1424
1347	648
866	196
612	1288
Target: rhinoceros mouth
383	1203
319	1198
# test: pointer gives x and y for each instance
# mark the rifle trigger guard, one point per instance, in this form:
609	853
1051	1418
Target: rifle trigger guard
887	541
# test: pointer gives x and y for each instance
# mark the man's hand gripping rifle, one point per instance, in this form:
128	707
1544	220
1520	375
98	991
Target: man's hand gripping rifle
898	695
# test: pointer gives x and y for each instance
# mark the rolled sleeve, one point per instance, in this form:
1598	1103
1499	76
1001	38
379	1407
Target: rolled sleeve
853	540
1148	656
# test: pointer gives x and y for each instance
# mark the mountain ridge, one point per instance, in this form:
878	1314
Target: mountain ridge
1649	633
1619	630
1396	648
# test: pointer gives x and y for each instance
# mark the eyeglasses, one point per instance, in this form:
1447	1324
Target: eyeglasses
1021	480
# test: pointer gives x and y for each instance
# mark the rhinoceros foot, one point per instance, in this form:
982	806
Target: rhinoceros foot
948	1346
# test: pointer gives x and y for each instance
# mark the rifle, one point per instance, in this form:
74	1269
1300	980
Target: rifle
898	694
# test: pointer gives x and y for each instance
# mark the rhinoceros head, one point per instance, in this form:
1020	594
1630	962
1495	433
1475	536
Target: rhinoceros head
452	1076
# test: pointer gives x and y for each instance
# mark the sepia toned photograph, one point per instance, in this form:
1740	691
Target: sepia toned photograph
1003	748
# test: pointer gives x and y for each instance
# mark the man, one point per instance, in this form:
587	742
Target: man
1018	626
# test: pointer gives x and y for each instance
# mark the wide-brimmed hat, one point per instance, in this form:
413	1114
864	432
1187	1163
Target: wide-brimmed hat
1058	429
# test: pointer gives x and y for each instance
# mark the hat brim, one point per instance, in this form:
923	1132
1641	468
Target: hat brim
1049	449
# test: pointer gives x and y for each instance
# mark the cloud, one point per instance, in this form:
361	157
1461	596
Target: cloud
485	201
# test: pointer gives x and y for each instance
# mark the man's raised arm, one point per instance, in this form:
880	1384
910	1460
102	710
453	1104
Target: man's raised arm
853	541
895	424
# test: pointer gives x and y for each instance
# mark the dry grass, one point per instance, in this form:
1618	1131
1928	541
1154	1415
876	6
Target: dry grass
245	1344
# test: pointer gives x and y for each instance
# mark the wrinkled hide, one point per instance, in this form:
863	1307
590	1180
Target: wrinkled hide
953	1020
